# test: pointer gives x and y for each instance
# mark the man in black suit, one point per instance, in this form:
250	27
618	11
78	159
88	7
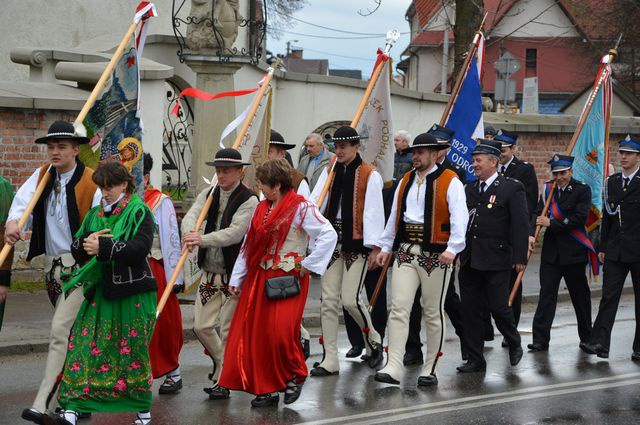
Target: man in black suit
413	350
619	247
511	166
496	242
566	249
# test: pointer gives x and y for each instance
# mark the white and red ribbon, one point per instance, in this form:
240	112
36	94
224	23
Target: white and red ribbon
144	11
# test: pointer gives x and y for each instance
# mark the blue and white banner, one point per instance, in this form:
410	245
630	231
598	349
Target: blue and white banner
466	116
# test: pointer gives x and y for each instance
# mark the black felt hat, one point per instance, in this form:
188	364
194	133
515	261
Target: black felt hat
428	141
227	158
490	147
346	134
62	130
276	139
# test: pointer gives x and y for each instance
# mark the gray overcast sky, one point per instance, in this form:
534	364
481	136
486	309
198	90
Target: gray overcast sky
346	52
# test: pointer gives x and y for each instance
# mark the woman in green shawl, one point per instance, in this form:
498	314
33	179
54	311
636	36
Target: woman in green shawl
107	368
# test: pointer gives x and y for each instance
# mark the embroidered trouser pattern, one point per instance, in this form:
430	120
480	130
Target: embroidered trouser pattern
344	280
66	310
214	306
415	269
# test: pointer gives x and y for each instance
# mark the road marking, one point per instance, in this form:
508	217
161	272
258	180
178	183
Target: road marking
425	409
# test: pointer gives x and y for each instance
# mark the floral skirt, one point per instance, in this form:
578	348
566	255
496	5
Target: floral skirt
107	368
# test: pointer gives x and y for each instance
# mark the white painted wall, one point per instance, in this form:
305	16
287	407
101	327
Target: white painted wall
619	107
516	22
152	110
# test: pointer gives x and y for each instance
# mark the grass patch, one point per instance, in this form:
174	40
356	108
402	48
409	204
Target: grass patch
26	286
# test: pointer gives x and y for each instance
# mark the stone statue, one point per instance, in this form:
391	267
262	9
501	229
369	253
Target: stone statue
200	34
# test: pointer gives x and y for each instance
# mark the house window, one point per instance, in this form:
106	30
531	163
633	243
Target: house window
531	58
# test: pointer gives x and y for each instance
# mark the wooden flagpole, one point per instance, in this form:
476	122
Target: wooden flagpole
392	37
205	209
443	120
583	119
77	124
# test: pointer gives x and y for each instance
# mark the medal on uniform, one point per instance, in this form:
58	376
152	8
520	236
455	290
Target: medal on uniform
492	199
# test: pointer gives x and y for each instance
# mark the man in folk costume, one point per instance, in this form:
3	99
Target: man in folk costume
167	340
67	198
619	248
219	245
513	167
426	229
566	249
355	208
277	150
413	352
496	242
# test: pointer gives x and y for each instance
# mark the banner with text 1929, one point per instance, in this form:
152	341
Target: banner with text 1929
375	127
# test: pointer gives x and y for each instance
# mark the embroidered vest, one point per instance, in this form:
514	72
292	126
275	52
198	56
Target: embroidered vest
437	227
292	251
80	191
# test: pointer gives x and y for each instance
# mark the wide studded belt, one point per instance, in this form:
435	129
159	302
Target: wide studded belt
337	225
413	233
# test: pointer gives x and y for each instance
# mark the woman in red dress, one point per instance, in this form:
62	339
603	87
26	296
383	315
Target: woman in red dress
263	354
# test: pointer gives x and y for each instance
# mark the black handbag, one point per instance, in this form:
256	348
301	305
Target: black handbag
281	287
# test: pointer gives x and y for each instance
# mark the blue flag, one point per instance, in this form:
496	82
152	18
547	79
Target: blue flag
466	120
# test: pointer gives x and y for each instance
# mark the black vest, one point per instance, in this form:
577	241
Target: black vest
428	207
239	196
36	244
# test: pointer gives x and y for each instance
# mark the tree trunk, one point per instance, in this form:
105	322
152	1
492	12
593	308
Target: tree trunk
468	19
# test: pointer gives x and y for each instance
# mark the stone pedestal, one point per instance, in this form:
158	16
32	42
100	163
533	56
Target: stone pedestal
211	117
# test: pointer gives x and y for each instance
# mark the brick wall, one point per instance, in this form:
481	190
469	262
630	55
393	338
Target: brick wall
19	155
538	148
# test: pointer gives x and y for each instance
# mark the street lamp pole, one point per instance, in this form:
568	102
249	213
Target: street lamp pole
289	46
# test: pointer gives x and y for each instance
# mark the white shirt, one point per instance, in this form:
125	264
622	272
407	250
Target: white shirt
57	235
505	165
165	217
489	181
459	215
320	232
373	219
630	176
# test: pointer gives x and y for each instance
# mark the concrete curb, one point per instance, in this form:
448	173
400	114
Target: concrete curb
309	321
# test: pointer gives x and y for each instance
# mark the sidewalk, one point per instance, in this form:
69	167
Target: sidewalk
27	318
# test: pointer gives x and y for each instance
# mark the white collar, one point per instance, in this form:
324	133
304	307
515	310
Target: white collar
67	175
630	176
230	190
108	208
490	180
507	164
431	170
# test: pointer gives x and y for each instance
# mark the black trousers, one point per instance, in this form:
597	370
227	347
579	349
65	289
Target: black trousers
576	279
378	314
452	307
612	282
516	307
482	290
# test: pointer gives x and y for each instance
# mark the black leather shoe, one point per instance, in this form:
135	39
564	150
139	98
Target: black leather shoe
218	393
597	349
385	378
471	367
377	356
33	415
515	354
504	343
292	392
306	348
169	386
320	371
428	381
265	400
535	347
635	356
84	415
583	347
55	419
412	358
354	352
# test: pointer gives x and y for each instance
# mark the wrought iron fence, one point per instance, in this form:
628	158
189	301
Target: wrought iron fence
176	145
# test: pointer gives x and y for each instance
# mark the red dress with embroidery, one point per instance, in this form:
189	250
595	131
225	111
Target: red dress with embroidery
263	349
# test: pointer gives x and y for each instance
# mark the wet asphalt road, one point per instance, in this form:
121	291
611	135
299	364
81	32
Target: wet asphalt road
563	386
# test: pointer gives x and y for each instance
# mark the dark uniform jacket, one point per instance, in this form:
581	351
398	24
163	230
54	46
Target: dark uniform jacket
497	236
558	246
620	234
462	175
525	174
